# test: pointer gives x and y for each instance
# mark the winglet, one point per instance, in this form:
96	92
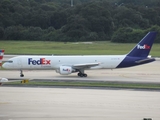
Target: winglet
1	56
143	48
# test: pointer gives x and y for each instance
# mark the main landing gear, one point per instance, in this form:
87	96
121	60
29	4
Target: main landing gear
21	73
82	74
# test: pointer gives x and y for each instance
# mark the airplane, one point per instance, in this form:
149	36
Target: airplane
5	80
1	56
66	65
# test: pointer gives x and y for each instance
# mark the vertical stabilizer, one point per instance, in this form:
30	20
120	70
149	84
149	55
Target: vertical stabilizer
1	56
143	48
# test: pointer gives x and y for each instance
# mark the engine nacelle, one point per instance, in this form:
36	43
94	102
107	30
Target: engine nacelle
3	80
65	70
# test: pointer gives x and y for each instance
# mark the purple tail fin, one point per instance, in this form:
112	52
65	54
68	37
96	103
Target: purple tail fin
1	56
143	48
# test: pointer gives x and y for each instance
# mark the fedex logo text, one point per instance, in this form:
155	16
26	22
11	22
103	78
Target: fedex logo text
67	70
145	46
41	61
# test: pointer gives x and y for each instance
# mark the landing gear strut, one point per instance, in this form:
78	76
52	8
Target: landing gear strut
21	73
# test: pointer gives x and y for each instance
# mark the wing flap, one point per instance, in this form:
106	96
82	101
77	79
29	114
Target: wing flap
85	65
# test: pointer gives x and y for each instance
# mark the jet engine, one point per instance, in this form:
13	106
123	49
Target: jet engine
2	80
65	70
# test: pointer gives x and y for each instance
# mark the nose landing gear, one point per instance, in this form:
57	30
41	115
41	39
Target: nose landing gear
21	73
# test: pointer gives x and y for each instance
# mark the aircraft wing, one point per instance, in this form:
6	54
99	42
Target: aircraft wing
85	65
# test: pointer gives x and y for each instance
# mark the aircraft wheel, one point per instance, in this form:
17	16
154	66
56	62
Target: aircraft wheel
79	74
21	75
84	75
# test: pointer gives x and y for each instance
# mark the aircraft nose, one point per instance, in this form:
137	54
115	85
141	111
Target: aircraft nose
4	65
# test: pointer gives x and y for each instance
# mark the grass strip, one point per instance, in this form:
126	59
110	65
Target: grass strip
91	84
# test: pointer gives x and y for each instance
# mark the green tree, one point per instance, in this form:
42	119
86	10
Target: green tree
58	19
76	27
33	33
1	33
127	35
13	33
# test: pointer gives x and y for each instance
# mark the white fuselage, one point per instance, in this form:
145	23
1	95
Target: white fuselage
54	62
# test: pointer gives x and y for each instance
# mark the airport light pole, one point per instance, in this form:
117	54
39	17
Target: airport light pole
71	3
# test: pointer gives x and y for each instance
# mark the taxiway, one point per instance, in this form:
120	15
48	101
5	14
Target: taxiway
23	103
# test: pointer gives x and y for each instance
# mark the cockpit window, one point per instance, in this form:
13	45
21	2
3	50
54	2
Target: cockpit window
10	61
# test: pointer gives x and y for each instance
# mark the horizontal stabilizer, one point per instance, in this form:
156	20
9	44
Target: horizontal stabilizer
144	60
